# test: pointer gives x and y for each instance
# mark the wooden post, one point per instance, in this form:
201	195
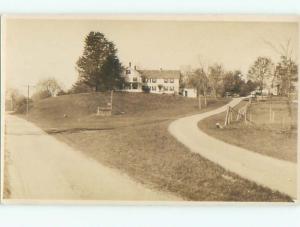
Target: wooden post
245	114
226	117
111	99
270	113
199	102
205	99
238	115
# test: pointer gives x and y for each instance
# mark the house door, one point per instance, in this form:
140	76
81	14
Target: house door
186	93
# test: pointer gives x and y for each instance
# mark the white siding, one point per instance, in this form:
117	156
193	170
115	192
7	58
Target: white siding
167	86
189	92
133	76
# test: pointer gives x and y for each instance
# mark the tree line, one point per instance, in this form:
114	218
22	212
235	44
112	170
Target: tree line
262	75
99	69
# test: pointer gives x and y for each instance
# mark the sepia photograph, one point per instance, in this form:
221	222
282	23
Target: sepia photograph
150	109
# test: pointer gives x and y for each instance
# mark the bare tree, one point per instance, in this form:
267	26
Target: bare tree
12	95
50	85
199	81
286	71
261	71
215	76
46	88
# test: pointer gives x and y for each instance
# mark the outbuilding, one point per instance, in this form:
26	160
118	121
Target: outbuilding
189	92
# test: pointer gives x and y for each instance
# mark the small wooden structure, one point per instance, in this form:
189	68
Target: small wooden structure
104	111
107	110
241	114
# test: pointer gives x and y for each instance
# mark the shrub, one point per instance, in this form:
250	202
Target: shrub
21	105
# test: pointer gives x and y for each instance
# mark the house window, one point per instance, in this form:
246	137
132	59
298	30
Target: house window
128	71
153	88
135	86
134	79
166	80
171	80
166	89
153	80
171	88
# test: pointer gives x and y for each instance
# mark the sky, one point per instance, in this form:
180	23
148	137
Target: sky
35	49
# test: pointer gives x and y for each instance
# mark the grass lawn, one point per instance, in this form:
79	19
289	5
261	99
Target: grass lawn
138	143
276	138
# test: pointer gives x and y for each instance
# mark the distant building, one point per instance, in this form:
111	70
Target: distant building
133	79
152	81
271	86
189	92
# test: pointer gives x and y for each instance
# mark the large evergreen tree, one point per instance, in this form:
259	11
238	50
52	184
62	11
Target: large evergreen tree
99	67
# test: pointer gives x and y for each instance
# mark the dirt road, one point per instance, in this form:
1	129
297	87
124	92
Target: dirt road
42	168
274	173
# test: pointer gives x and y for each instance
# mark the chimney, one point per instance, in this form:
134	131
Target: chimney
129	64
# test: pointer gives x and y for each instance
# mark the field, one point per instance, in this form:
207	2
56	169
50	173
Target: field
272	130
136	141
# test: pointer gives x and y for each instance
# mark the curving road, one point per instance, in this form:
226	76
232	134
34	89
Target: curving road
274	173
42	168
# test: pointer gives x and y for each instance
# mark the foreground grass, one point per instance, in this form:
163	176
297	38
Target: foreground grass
140	145
277	139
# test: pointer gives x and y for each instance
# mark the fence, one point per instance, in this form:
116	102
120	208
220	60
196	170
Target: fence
273	113
233	115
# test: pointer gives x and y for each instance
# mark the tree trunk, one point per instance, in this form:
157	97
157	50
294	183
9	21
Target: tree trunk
205	99
199	102
215	93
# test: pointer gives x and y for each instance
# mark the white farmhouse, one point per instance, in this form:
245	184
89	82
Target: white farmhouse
153	81
133	79
161	81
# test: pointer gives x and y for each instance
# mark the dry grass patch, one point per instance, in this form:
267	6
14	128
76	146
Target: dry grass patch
276	138
150	155
139	144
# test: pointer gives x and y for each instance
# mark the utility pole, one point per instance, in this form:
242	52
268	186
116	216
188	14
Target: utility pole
27	101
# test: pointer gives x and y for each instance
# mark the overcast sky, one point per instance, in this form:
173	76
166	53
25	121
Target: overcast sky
41	48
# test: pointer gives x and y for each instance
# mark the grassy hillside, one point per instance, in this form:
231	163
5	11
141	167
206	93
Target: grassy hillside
78	105
79	110
136	141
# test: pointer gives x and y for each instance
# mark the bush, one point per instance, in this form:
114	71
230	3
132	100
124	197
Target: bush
21	105
61	92
41	95
80	87
146	89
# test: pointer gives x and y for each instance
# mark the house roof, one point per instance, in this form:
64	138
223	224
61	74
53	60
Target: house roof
160	74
